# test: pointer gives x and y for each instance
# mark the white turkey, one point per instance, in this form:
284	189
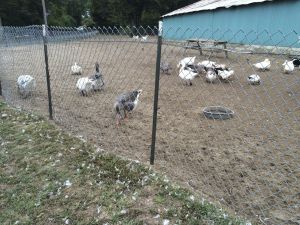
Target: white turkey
253	79
144	38
187	75
221	66
76	69
288	66
211	76
264	65
186	61
225	74
208	64
84	85
200	69
26	85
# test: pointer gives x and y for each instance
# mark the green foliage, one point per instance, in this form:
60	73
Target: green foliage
21	12
88	22
99	11
28	12
88	12
59	17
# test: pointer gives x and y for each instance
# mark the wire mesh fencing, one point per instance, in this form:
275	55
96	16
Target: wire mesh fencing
125	65
21	54
126	60
248	163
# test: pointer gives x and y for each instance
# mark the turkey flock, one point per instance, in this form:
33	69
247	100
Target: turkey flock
188	69
213	71
125	103
140	38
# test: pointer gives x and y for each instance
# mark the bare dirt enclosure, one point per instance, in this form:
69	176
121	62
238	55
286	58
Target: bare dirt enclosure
248	164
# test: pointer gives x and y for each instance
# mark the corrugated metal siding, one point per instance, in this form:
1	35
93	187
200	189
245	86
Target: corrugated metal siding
210	5
271	23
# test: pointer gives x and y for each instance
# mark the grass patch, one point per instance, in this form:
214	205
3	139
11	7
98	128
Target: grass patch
50	177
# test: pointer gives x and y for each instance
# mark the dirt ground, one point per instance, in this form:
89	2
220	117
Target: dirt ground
248	164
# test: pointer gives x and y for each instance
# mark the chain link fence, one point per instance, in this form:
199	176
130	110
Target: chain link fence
248	164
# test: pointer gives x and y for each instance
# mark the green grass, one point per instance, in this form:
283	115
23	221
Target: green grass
36	159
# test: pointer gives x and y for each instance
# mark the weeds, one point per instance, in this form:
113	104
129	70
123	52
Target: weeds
50	177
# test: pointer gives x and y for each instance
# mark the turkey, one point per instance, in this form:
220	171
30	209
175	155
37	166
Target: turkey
208	64
186	61
165	68
253	79
225	74
296	62
97	79
211	75
187	75
76	69
26	85
84	85
125	103
264	65
288	66
144	38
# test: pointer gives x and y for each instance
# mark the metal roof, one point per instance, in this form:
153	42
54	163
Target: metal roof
210	5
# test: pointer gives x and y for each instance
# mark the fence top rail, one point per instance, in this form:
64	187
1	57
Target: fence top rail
199	40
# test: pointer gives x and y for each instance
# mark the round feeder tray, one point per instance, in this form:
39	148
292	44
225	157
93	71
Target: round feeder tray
218	112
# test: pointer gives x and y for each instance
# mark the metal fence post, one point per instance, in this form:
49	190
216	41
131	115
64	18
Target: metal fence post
45	41
156	91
